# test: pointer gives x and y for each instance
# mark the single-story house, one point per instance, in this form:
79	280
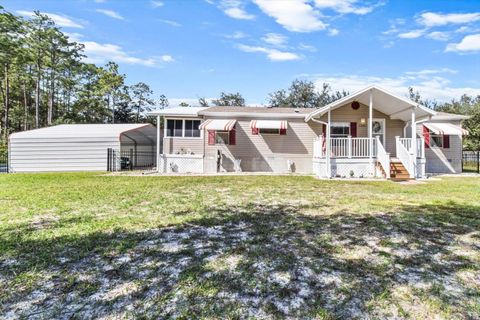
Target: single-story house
365	134
78	147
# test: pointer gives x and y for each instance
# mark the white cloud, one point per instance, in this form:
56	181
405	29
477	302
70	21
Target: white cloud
103	52
272	54
412	34
432	19
167	58
439	35
235	9
333	32
344	6
110	13
307	47
156	3
59	19
171	22
293	15
275	39
430	83
470	43
237	35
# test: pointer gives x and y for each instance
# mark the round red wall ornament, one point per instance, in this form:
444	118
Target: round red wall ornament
355	105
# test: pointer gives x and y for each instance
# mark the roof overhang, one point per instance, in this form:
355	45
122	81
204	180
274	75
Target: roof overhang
177	112
394	106
257	115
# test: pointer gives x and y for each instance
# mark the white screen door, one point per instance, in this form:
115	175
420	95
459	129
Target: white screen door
378	129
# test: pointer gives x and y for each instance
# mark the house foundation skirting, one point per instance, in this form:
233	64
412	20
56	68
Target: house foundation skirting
180	163
346	168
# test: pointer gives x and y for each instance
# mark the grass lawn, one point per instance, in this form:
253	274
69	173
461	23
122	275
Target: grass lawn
88	246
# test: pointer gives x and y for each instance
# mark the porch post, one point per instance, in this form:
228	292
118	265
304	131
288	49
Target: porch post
328	163
413	127
370	126
158	143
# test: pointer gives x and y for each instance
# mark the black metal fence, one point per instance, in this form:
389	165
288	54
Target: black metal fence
471	161
3	163
126	160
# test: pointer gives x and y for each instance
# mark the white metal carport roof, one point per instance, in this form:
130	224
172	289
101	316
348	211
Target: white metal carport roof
147	132
388	103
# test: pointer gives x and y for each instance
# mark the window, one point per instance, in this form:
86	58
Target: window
183	128
436	140
222	137
340	129
269	131
191	128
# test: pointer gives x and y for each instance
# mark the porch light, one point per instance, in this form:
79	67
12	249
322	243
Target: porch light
363	121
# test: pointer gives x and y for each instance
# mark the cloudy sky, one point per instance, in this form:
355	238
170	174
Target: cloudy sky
189	49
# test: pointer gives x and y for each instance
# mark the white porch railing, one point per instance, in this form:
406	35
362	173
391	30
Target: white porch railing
407	143
344	147
403	147
383	157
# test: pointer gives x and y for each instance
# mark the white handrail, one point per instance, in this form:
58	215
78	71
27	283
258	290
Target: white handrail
404	155
383	157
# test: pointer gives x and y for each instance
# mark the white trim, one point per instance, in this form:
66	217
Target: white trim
183	128
384	128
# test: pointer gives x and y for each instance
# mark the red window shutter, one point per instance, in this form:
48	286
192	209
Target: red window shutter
232	139
211	136
446	141
254	130
283	131
426	137
324	130
353	129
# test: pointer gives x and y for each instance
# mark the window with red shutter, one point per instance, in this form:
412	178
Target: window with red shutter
283	132
426	137
353	129
446	141
255	131
232	137
211	137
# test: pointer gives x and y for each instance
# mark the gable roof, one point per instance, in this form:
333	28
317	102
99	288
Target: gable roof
384	101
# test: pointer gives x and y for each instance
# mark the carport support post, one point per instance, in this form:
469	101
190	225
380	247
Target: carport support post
158	143
370	126
413	127
328	148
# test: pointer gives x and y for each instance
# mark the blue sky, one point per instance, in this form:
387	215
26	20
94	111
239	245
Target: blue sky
190	49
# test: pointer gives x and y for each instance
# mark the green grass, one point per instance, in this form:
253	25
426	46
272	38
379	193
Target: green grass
90	245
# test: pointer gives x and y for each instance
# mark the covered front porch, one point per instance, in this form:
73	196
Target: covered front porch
371	133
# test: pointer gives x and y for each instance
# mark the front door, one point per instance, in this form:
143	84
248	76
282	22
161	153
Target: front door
378	129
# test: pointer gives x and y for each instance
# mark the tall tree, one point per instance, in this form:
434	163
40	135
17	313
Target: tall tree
37	38
110	83
141	98
229	100
10	42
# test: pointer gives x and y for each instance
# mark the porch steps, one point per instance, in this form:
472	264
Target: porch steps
398	172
